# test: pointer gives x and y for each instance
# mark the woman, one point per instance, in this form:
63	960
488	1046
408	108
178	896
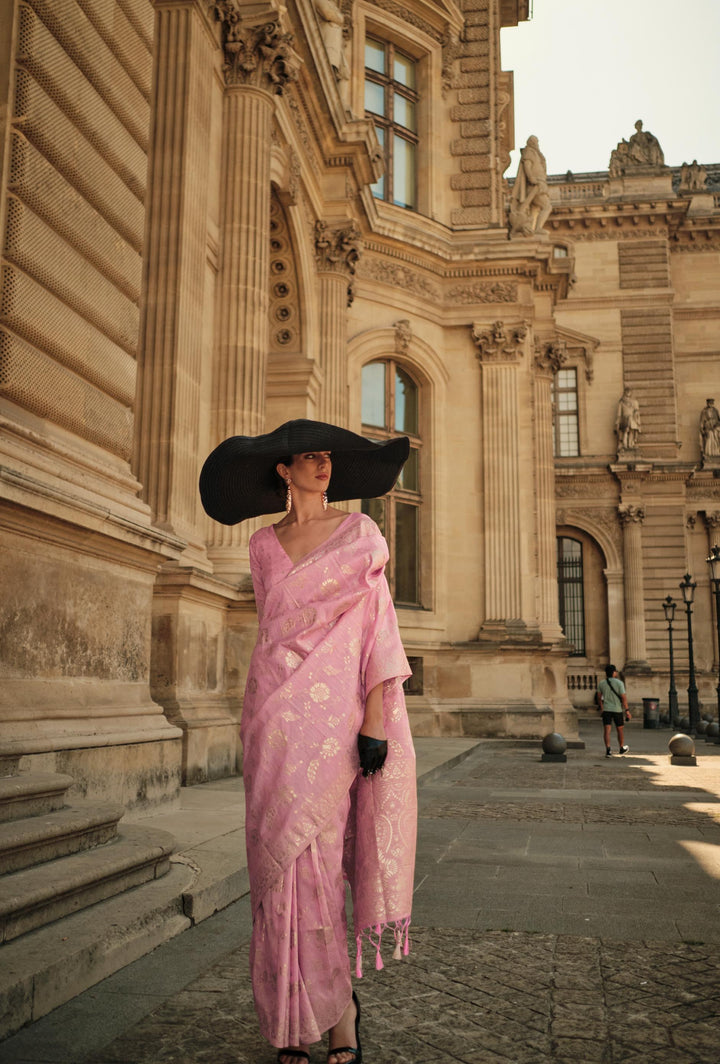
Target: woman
323	710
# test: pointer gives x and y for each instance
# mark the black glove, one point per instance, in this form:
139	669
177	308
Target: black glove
372	754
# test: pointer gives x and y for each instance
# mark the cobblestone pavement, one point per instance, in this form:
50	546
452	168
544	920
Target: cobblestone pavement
564	913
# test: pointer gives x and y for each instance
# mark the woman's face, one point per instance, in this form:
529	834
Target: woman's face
310	471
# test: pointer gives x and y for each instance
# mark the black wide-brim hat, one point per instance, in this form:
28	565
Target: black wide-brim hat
238	480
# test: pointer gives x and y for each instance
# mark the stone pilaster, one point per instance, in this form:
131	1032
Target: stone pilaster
337	250
550	356
631	519
499	351
259	62
167	442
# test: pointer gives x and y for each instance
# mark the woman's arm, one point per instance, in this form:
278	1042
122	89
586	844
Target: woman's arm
373	724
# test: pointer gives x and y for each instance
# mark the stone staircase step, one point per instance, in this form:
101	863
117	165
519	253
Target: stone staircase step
36	896
32	840
32	794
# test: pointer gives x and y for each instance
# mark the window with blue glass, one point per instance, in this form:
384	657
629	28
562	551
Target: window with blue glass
391	407
391	100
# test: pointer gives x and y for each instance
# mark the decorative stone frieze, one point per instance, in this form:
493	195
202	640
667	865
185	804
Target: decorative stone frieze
499	343
388	271
495	292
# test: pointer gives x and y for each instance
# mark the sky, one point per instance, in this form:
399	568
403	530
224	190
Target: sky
586	70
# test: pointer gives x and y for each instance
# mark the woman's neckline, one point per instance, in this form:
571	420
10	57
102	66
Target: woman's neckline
317	547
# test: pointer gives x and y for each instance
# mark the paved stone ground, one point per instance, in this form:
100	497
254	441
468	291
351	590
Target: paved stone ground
564	912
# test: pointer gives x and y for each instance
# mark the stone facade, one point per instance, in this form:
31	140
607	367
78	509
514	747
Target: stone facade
192	249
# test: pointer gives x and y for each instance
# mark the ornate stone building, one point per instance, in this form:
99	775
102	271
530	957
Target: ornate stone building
217	216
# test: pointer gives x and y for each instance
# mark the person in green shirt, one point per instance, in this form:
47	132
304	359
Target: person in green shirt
613	704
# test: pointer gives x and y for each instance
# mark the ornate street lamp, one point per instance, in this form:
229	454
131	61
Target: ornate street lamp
714	563
688	593
669	607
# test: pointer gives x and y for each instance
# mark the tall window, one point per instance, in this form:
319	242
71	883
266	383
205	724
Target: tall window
565	413
390	407
570	593
391	100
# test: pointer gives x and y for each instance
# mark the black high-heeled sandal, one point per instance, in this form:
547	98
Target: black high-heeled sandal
355	1050
298	1054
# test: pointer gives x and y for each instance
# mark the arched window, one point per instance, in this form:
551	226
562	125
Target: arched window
391	407
570	593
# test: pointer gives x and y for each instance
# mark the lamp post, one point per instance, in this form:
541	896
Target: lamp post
669	607
688	593
714	563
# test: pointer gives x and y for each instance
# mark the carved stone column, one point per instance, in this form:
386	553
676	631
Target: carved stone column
337	250
259	62
549	358
167	446
631	519
499	351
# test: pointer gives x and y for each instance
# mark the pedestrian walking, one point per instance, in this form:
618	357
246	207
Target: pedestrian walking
328	759
612	703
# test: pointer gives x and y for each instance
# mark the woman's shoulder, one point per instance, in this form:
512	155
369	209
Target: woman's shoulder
259	539
362	525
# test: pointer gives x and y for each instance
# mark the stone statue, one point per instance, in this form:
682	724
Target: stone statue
710	431
693	178
642	150
627	422
332	22
530	204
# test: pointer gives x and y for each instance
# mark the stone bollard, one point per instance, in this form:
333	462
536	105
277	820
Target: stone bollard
712	731
682	750
554	747
702	727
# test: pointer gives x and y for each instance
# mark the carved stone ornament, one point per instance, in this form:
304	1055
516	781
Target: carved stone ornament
497	292
627	423
403	336
499	343
337	250
259	55
451	52
712	520
630	515
550	356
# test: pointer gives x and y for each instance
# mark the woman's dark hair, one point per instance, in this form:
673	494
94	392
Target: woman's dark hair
280	484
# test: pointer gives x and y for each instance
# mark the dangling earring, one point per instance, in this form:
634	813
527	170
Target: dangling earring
288	499
324	497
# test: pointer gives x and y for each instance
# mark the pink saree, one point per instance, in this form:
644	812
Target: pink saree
328	634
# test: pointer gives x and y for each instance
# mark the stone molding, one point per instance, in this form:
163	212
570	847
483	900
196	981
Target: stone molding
500	342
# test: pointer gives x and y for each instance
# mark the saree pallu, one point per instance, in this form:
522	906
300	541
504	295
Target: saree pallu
327	636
